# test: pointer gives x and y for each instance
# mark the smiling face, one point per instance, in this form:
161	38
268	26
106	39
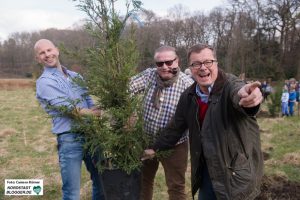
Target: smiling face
205	76
166	62
46	53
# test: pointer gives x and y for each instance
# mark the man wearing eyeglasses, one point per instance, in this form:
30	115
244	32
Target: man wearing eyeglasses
162	87
219	110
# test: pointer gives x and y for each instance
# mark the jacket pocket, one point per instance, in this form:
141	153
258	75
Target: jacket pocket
241	174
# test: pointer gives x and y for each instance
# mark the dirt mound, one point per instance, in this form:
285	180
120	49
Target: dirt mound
279	188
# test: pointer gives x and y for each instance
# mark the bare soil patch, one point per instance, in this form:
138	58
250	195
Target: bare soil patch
279	188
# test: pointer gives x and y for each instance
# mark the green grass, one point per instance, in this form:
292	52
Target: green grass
28	148
286	137
27	145
282	142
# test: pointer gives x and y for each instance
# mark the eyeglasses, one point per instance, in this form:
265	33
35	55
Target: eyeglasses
207	63
168	63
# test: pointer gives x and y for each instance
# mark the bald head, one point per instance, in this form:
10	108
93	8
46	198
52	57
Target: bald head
46	53
42	42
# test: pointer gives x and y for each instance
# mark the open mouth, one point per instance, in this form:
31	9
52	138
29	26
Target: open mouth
204	75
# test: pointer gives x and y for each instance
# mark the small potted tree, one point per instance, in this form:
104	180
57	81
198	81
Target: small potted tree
111	63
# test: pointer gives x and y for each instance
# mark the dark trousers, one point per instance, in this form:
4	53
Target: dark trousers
206	190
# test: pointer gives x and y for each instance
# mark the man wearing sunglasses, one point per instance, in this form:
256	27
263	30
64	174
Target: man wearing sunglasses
162	87
219	110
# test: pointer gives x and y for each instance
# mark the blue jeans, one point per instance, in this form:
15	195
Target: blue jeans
291	105
206	189
285	108
71	154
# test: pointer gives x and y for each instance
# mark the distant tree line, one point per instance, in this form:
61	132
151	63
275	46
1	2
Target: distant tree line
17	56
260	38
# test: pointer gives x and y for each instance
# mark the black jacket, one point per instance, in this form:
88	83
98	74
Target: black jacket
228	140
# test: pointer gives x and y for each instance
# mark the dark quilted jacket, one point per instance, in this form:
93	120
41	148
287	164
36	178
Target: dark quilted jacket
228	140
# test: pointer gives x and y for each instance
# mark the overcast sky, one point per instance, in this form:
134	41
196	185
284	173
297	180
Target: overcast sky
35	15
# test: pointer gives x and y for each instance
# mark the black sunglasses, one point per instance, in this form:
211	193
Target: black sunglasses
168	63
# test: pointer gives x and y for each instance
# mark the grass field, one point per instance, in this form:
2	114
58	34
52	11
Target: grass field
28	149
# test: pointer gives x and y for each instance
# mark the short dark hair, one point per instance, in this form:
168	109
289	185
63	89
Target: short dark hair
199	47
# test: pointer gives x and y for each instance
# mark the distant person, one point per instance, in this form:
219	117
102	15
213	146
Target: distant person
285	101
292	99
188	72
162	87
55	88
269	90
292	81
298	90
287	84
266	89
219	110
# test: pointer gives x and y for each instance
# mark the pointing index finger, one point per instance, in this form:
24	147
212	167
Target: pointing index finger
254	85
